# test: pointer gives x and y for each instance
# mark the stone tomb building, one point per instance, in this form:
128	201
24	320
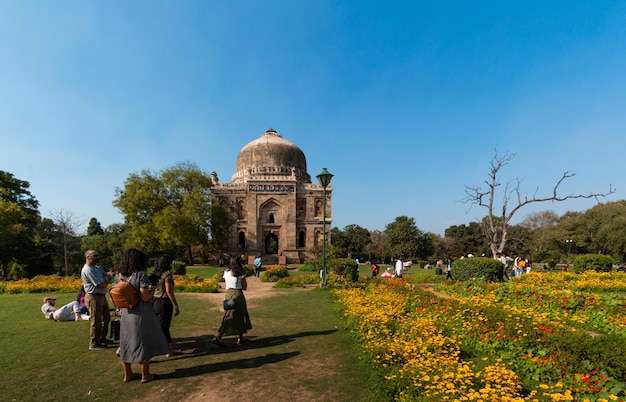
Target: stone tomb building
274	209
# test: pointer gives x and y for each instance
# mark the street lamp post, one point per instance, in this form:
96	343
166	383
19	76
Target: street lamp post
569	248
324	179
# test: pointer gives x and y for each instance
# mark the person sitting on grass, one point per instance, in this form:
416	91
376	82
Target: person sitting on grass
69	312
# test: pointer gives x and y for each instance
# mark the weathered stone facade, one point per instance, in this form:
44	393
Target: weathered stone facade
274	208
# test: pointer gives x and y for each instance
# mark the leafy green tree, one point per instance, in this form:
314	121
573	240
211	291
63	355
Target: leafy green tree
443	246
402	238
110	244
540	225
167	210
351	241
376	246
220	224
339	243
519	241
94	228
599	230
466	239
19	219
44	263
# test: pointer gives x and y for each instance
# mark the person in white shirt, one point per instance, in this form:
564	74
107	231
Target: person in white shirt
69	312
399	267
237	320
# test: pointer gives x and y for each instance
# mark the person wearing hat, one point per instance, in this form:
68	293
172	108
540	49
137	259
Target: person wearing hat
69	312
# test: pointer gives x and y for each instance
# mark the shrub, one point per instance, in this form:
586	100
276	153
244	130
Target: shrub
248	269
179	267
298	281
477	268
345	267
16	271
595	262
219	276
274	273
195	284
425	278
551	258
309	266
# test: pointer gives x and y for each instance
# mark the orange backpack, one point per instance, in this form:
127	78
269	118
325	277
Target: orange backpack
123	294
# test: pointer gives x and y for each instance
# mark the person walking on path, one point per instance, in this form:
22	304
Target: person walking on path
235	321
164	301
141	335
95	282
257	265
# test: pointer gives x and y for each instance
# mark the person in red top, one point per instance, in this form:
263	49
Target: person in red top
375	269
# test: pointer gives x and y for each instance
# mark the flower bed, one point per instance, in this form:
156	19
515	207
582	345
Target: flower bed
68	284
520	340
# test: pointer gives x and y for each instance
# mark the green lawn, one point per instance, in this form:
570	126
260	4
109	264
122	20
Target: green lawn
298	347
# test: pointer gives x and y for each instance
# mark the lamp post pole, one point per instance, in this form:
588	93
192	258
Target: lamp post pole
324	179
569	248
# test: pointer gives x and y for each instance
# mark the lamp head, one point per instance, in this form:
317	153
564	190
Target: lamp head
324	177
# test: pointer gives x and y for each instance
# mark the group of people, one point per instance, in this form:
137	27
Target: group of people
441	267
144	328
398	269
518	265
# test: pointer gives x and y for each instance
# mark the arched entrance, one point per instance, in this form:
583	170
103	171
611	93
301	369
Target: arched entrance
271	243
241	244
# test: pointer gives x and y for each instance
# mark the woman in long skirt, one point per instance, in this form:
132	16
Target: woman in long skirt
141	336
237	320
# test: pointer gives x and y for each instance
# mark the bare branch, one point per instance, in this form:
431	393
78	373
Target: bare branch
495	229
556	197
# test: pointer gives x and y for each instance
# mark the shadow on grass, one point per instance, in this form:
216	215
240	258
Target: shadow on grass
195	347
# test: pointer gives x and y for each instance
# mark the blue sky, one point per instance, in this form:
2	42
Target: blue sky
405	102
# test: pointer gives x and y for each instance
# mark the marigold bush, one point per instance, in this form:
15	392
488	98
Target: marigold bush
520	340
274	273
70	284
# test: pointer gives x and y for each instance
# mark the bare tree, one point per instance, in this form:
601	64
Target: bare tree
67	225
495	226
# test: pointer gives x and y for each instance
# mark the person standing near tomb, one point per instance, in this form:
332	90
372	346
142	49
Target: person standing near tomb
257	265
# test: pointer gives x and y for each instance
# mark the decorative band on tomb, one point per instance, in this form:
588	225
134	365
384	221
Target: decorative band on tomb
272	188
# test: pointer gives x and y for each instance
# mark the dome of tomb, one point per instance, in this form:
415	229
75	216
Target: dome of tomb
270	156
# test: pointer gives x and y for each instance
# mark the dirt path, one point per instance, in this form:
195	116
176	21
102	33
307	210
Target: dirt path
268	369
256	290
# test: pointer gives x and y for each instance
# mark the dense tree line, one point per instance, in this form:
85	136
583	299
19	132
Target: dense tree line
167	211
599	230
163	211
